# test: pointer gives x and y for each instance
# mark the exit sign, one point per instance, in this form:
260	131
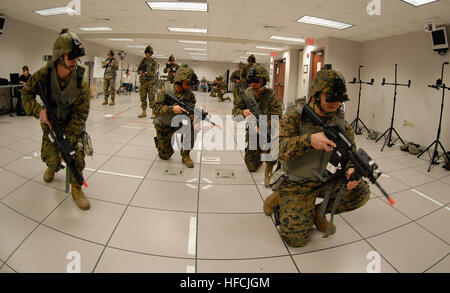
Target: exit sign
310	42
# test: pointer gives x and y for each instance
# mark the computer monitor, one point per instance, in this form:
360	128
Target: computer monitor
14	78
439	38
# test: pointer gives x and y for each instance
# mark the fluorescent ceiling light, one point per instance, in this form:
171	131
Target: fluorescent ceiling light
195	49
296	40
159	56
121	40
93	29
323	22
56	11
419	2
178	6
262	54
269	48
135	46
188	30
193	42
198	54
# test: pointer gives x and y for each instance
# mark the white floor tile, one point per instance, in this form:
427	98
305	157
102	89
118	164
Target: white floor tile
9	182
265	265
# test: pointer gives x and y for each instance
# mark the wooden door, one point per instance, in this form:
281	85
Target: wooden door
318	62
279	77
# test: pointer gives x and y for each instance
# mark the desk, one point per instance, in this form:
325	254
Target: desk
11	87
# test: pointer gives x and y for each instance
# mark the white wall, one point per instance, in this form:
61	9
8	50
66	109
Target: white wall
291	76
418	104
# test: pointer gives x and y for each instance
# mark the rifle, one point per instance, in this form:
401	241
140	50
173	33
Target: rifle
190	108
62	143
344	152
254	108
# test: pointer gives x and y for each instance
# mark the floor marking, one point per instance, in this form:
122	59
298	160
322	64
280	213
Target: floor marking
192	235
191	186
26	158
429	198
207	187
131	127
89	169
120	174
207	180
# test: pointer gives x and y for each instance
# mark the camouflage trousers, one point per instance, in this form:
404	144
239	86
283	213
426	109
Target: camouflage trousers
163	140
216	93
252	158
297	212
147	89
50	155
109	84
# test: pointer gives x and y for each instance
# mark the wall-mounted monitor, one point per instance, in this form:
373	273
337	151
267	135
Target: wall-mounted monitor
439	38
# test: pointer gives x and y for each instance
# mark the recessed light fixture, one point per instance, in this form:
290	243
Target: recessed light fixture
121	40
419	2
324	22
195	49
289	39
139	47
178	6
93	29
56	11
261	54
188	30
269	48
193	42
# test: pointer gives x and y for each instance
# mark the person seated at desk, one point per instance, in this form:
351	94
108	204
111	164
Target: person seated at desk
126	82
203	84
25	76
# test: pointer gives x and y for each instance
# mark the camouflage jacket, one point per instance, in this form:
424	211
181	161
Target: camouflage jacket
110	72
244	74
293	145
80	108
149	66
236	75
161	107
274	108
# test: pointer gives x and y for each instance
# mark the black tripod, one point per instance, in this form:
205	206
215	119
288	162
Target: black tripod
434	159
388	133
355	122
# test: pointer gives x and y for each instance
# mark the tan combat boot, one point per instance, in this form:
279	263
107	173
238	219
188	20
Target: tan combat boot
80	199
49	175
271	202
322	226
105	102
267	174
143	114
112	103
186	159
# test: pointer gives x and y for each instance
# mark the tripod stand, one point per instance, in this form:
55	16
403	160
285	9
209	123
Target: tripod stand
355	122
388	133
437	143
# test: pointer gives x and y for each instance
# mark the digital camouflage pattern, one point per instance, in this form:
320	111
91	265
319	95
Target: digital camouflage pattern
148	83
260	71
64	44
297	207
253	157
164	134
109	88
324	81
297	201
235	77
171	70
73	128
183	73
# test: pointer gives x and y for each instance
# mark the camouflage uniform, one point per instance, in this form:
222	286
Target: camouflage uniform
221	88
73	118
236	78
245	70
109	81
297	198
164	114
148	82
269	105
171	68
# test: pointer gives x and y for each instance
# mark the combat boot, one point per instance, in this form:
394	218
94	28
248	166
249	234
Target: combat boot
268	174
80	199
49	175
322	225
105	102
270	202
143	114
112	103
186	159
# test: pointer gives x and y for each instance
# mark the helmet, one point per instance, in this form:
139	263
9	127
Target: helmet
149	49
110	52
241	65
256	72
67	43
331	82
172	58
185	73
220	78
251	59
